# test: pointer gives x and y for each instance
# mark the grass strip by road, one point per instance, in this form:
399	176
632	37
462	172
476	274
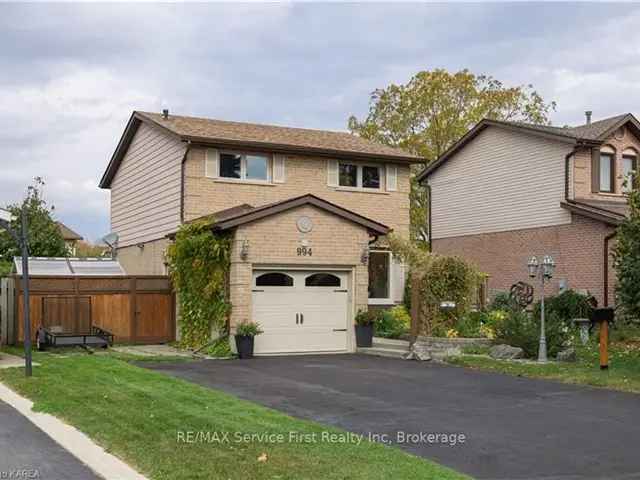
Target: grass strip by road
623	373
144	417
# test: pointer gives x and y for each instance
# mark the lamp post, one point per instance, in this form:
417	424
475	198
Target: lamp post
545	274
21	240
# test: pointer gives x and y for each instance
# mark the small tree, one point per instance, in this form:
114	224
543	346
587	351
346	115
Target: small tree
627	258
439	278
45	239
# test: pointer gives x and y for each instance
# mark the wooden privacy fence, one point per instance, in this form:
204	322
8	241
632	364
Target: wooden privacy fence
136	309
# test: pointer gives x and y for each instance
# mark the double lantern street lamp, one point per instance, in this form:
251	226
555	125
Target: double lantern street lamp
21	239
544	271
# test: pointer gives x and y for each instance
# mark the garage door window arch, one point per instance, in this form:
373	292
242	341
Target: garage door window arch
322	280
274	279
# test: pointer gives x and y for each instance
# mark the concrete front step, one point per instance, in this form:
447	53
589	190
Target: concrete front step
389	343
383	352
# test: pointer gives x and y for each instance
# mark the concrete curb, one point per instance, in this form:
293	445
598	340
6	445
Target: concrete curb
71	439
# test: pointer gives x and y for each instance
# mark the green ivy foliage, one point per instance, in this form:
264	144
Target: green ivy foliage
440	278
199	262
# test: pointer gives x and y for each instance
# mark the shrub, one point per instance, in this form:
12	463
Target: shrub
519	329
567	306
366	317
502	301
469	325
220	348
248	329
392	323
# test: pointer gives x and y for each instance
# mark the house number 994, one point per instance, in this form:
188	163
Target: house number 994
304	251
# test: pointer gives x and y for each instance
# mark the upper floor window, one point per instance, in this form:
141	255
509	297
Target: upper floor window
244	166
607	162
359	176
629	168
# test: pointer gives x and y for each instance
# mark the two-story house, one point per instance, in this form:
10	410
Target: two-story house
308	210
508	190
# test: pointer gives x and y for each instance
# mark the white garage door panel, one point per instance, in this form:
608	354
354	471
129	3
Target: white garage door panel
321	312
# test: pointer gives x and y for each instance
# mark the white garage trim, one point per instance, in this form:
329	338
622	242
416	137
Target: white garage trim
303	319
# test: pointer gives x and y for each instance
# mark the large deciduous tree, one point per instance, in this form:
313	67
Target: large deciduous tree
434	109
45	239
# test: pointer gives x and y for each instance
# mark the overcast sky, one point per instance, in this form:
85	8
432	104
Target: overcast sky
70	75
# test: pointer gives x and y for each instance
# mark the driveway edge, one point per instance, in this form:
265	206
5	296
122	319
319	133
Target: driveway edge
71	439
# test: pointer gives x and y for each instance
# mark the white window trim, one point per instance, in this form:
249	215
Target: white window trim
359	186
243	167
388	300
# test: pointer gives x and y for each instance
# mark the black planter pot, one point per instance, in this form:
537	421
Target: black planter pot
364	335
244	345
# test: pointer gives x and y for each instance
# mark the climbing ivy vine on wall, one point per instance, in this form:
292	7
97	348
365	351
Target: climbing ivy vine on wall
199	262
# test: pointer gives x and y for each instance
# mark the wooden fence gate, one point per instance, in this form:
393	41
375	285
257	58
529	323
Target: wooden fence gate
138	309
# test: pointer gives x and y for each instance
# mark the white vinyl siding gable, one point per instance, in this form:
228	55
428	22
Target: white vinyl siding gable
501	181
146	190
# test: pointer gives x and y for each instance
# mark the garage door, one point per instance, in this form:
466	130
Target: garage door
300	311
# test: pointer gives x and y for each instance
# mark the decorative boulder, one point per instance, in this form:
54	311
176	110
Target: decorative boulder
568	355
506	352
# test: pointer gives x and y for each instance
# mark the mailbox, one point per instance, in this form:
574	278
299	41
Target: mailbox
605	314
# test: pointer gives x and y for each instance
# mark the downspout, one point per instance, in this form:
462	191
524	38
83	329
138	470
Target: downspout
184	160
428	190
607	239
567	164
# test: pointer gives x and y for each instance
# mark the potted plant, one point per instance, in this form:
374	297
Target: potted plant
364	327
245	334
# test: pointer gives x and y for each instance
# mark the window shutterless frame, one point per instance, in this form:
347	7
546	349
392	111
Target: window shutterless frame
629	167
607	182
359	183
243	166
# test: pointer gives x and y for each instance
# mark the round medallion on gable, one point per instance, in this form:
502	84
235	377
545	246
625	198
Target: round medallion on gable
305	225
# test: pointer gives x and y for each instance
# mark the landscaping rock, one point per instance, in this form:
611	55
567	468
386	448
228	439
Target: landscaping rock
506	352
568	355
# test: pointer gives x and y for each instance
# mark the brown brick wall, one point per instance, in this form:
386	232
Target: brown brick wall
203	196
577	249
582	168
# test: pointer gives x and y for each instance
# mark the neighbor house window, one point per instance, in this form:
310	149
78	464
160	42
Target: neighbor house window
629	169
379	274
359	176
244	166
607	172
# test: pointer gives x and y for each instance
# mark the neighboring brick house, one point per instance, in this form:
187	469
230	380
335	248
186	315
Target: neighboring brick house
508	190
309	211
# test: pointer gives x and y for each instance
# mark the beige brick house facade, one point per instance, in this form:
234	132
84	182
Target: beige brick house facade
301	204
508	191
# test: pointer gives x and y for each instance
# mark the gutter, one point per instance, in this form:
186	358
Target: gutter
607	239
182	191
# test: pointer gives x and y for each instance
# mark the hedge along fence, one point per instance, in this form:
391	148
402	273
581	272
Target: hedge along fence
436	279
136	309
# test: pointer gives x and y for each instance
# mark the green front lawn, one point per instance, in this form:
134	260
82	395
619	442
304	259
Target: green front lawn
623	373
151	421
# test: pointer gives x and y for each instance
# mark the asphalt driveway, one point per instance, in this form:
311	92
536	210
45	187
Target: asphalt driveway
514	428
27	452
